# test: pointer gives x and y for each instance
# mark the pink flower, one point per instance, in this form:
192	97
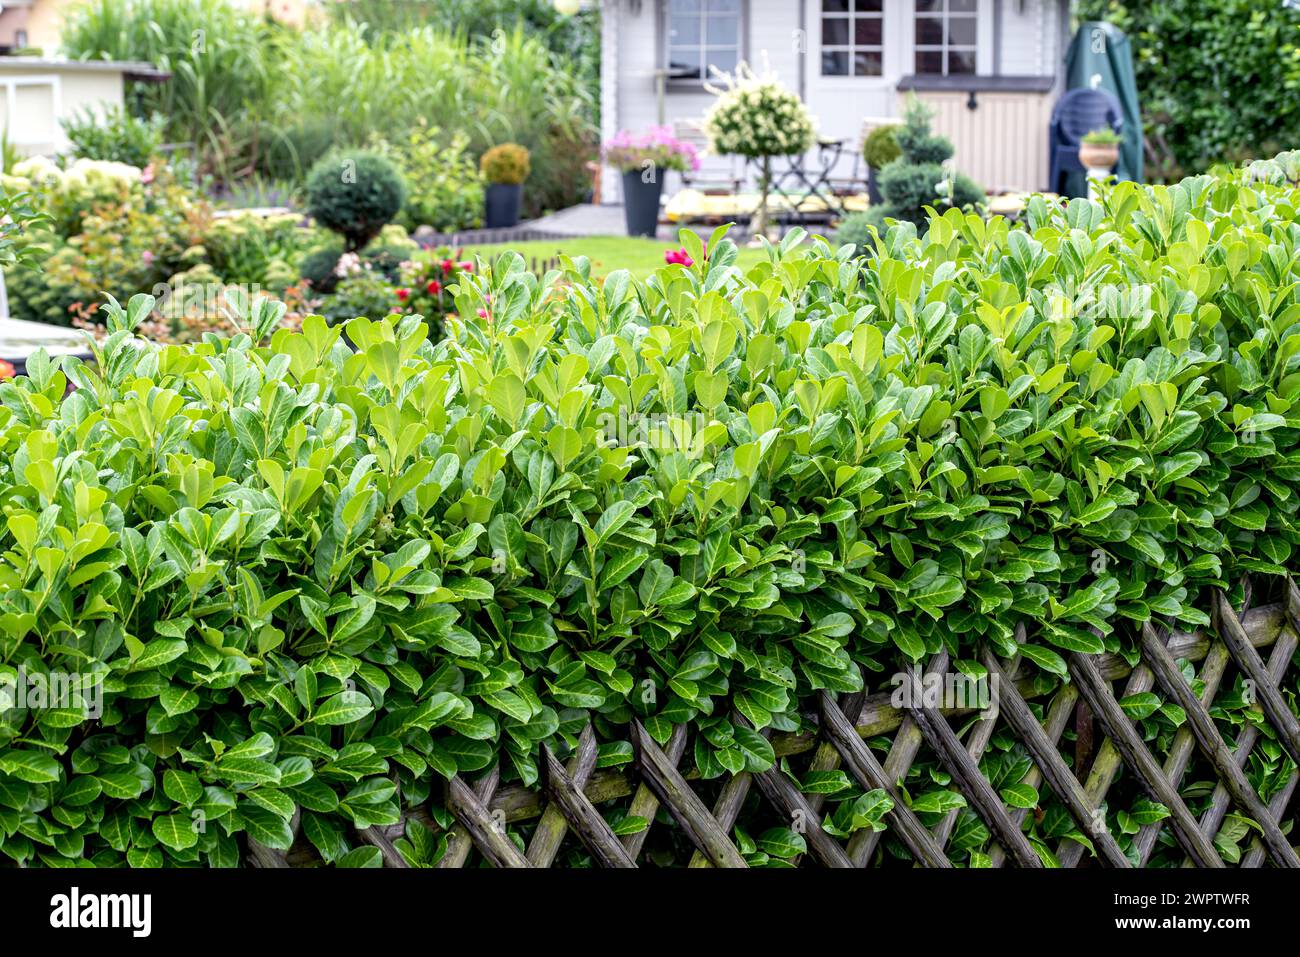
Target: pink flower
447	266
147	257
678	256
468	267
146	175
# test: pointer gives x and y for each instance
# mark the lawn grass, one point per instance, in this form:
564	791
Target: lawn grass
641	257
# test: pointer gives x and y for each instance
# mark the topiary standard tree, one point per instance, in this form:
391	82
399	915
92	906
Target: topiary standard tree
356	195
917	178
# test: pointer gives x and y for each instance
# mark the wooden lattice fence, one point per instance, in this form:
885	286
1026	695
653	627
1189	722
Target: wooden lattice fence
566	803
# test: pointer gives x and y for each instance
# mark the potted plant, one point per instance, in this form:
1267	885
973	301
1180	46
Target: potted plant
505	168
642	159
878	150
754	116
1100	149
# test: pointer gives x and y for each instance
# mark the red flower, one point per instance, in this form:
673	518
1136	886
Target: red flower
679	256
482	313
434	287
6	370
468	267
403	295
447	266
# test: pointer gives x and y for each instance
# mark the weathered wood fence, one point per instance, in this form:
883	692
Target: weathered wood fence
567	802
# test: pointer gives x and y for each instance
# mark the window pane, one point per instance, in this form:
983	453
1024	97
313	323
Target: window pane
722	31
724	60
722	6
961	6
923	6
835	6
835	31
684	31
835	63
961	61
685	6
868	64
962	31
929	61
684	64
929	31
866	31
868	6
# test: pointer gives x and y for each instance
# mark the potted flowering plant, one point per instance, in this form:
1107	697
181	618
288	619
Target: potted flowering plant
756	117
642	158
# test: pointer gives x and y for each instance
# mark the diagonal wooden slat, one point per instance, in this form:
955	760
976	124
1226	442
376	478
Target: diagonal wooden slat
1278	662
971	780
1248	660
1212	745
591	828
1058	718
459	843
690	812
726	809
1063	783
644	802
553	825
864	766
1182	747
902	753
1094	689
473	814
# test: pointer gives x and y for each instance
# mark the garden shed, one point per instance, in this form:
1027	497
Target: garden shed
991	69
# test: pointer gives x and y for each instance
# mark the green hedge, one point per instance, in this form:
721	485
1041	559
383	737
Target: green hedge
325	572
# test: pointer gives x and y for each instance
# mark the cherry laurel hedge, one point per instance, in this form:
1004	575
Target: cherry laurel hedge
316	576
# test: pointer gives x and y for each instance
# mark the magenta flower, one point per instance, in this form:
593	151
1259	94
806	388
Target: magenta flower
679	256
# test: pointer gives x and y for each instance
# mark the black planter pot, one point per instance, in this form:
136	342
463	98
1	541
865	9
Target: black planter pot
503	202
873	188
641	203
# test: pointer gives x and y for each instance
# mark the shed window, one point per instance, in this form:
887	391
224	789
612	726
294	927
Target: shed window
702	34
852	37
947	34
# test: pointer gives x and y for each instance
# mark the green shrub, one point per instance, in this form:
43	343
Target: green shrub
917	179
355	194
315	581
854	231
116	136
445	188
317	267
507	164
881	146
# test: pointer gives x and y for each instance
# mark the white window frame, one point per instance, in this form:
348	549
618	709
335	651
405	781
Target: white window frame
983	17
851	16
667	46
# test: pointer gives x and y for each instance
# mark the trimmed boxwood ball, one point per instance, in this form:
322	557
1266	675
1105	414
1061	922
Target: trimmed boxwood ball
355	194
317	267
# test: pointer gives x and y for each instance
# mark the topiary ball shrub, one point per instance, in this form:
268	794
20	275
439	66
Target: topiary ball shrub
355	195
881	146
506	165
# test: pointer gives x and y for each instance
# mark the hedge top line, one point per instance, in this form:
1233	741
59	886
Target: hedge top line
315	577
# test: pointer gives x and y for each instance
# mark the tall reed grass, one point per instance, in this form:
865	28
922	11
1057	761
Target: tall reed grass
257	98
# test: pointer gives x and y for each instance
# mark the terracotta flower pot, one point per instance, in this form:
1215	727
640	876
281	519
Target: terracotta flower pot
1099	155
